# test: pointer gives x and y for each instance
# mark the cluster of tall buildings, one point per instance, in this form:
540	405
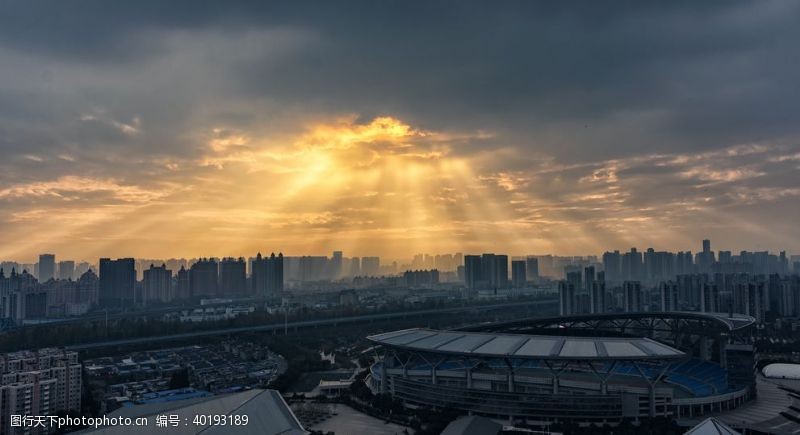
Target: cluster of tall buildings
205	278
309	268
420	278
48	268
486	271
653	266
23	297
756	284
33	383
442	262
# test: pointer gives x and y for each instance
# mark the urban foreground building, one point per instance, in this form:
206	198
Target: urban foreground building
38	383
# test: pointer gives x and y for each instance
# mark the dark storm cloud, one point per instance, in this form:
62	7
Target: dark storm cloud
552	100
691	75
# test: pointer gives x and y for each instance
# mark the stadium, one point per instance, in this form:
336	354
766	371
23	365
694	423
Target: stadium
588	368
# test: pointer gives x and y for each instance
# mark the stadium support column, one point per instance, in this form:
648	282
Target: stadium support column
555	374
651	386
469	377
384	376
603	377
723	351
510	375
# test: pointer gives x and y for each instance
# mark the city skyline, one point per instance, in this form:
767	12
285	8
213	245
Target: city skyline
166	131
697	248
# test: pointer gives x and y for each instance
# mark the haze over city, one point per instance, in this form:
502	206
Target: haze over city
167	130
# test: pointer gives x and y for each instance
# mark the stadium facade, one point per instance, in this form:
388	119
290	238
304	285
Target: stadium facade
591	369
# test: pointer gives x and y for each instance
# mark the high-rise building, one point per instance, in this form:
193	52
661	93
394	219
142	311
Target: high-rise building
632	265
519	276
632	291
566	298
157	284
472	271
371	266
709	297
488	271
183	289
597	295
232	277
612	265
588	278
43	382
421	278
532	268
705	259
117	282
267	278
88	288
66	269
47	267
203	278
355	266
335	265
669	296
274	275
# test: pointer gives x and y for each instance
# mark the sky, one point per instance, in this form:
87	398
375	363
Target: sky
184	128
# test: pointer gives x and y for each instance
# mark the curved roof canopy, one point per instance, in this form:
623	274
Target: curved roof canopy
782	371
719	322
487	344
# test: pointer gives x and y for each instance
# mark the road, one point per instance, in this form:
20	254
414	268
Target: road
309	324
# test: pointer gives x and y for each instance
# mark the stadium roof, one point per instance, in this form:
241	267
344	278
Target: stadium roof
711	426
487	344
472	425
268	414
722	322
782	371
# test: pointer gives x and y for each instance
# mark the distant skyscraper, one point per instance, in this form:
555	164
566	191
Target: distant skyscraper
488	271
203	278
669	296
612	265
421	278
532	268
709	297
518	274
274	275
182	285
355	266
47	267
267	278
371	266
597	296
632	291
157	284
705	259
336	265
566	298
232	277
588	279
472	271
66	269
88	288
117	282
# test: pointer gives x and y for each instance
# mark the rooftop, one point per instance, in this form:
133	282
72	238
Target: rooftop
268	414
486	344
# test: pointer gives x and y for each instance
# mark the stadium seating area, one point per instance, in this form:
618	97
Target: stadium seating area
701	378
